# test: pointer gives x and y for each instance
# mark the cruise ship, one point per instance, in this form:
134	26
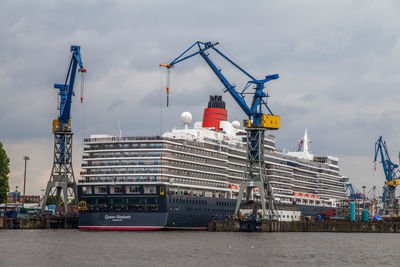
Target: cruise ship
190	176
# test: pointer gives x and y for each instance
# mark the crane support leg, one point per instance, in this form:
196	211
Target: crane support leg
62	175
256	175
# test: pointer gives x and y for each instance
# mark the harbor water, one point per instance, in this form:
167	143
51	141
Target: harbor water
186	248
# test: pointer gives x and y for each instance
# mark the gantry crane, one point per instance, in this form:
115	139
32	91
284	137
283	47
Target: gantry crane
260	119
62	176
392	175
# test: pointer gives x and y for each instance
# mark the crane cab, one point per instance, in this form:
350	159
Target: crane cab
270	122
393	182
57	126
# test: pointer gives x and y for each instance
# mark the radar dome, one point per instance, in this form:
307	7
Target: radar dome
236	124
186	118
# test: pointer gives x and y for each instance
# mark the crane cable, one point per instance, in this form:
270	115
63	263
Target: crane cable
168	74
167	79
161	99
83	106
82	84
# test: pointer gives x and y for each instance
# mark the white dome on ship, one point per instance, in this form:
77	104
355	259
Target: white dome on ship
236	124
186	117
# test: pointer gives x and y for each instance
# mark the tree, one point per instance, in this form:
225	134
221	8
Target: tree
4	171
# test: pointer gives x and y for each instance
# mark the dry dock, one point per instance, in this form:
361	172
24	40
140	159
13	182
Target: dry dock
304	226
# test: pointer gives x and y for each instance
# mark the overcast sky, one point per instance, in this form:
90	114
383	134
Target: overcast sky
338	61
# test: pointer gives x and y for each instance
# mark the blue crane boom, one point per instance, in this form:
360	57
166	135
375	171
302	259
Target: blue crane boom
66	91
390	169
255	111
353	192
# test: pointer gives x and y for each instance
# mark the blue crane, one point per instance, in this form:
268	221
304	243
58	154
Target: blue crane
260	118
66	91
62	178
391	171
353	192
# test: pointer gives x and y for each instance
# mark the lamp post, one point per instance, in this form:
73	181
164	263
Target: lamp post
25	158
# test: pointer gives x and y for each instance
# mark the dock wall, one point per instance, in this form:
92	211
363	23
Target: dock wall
303	226
59	222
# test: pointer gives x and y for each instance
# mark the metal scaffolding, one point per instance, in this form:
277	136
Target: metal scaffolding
255	175
62	178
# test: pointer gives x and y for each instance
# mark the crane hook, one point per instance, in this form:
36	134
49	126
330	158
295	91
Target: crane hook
167	79
82	71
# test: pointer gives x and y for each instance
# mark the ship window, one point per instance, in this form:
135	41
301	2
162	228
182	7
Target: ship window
158	145
149	189
133	189
100	190
116	190
86	190
152	145
143	145
135	145
135	200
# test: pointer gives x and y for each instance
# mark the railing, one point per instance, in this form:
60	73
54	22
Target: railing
122	172
182	141
122	164
121	156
